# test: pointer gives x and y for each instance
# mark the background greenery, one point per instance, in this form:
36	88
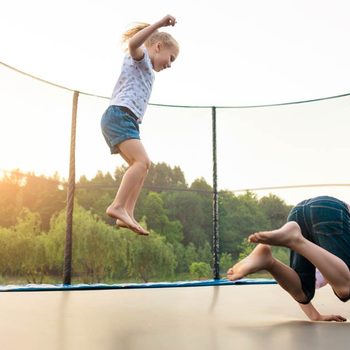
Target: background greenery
33	226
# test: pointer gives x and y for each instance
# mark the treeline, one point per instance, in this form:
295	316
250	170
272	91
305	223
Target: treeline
32	227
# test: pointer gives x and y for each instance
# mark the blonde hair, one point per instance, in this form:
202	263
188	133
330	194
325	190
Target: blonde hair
157	36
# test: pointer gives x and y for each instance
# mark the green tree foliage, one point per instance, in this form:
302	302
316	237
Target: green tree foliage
192	210
96	194
200	270
225	262
150	257
43	195
22	248
239	216
96	247
33	227
40	194
162	176
275	210
190	255
10	200
157	218
98	252
205	253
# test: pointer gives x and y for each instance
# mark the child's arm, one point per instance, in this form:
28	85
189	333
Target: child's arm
311	312
139	38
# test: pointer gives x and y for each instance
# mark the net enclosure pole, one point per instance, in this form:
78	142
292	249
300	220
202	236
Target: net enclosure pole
67	269
216	266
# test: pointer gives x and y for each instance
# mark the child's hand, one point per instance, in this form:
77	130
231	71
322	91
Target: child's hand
168	20
336	318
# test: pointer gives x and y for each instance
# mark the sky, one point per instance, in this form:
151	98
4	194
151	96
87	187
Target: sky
232	53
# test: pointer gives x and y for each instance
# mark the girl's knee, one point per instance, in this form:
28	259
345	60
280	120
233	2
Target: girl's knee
143	164
343	294
147	164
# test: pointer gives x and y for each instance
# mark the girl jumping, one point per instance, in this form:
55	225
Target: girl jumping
148	50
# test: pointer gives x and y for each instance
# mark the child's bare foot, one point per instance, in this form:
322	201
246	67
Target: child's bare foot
140	230
120	214
121	224
259	259
286	236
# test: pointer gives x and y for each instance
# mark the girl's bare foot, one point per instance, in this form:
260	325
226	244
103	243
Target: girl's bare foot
140	229
259	259
120	213
286	236
121	224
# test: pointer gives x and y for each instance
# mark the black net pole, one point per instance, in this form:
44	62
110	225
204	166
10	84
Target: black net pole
216	265
67	269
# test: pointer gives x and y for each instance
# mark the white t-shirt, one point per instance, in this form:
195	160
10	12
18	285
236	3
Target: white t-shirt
134	86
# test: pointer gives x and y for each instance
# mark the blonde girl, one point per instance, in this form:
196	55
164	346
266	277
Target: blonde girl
148	50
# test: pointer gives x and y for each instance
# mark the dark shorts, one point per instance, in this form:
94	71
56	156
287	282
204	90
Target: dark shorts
324	221
119	124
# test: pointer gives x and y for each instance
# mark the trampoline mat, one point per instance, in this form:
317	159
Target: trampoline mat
245	317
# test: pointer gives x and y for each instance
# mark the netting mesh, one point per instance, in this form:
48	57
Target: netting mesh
35	125
297	144
286	151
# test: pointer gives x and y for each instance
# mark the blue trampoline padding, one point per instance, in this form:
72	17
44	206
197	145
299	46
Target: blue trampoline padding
101	286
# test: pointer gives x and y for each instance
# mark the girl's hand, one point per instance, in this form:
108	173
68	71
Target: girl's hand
336	318
311	312
168	20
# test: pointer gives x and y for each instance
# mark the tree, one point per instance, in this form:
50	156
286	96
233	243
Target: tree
193	210
150	257
191	255
97	253
239	216
275	210
7	259
43	195
162	176
225	262
97	194
205	253
200	270
23	250
156	218
10	199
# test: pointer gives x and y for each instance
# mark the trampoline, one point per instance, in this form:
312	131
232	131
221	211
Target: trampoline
208	315
204	315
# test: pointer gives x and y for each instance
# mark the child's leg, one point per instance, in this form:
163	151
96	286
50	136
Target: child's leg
261	259
132	199
131	184
332	268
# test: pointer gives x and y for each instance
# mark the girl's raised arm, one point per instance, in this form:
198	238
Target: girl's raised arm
139	38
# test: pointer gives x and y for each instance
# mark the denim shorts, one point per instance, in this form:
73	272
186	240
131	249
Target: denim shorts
324	221
119	124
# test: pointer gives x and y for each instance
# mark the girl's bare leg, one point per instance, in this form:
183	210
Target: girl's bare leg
132	199
261	259
131	184
332	268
